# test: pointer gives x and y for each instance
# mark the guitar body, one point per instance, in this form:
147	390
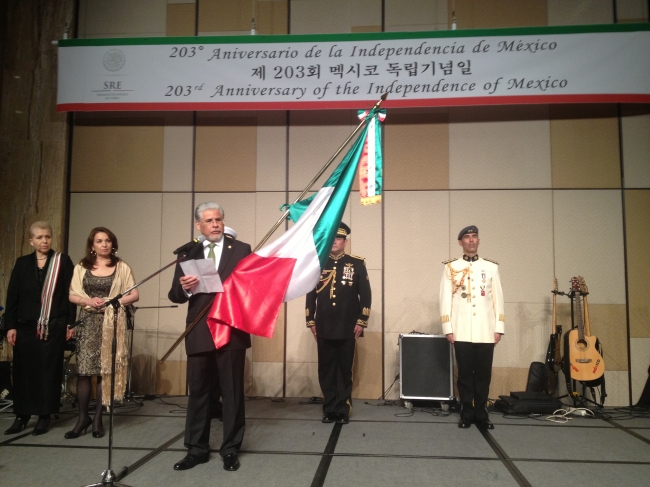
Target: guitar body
553	358
550	364
550	353
558	356
585	362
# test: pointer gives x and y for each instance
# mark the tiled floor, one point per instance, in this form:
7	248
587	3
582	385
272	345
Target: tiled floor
287	445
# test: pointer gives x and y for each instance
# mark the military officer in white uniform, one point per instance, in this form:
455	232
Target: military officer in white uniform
472	316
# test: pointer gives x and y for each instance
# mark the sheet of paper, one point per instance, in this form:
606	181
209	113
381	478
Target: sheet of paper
209	280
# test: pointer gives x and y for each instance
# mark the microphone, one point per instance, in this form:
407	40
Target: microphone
188	245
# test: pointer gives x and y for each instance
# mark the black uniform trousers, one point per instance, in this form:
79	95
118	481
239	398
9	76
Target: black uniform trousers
335	360
229	365
474	362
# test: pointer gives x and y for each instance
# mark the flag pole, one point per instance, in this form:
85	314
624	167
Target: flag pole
278	223
320	173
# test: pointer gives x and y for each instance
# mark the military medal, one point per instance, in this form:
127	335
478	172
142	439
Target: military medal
348	272
482	290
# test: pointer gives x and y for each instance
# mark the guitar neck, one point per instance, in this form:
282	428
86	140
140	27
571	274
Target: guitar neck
554	324
579	315
587	323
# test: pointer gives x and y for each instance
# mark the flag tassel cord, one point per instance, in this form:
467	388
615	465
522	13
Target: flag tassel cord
279	222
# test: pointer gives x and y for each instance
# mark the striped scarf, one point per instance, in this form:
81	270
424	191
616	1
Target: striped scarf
47	295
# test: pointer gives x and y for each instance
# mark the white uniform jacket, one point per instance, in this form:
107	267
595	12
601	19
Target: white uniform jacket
471	301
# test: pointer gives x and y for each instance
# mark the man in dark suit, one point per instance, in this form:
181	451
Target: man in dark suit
203	359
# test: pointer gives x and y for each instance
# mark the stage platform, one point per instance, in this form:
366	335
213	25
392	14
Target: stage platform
287	445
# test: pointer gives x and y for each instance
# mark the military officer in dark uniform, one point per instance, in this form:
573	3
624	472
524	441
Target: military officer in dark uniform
337	313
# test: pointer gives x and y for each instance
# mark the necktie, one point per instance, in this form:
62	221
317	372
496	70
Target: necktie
211	253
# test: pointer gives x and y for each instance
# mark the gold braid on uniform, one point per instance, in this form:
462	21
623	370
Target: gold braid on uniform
454	273
331	277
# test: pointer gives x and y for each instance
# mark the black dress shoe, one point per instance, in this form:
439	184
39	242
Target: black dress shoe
19	424
486	424
191	461
98	433
231	462
42	426
342	418
329	418
464	423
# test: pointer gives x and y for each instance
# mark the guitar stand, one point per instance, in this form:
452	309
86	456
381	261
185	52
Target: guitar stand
66	395
582	399
129	397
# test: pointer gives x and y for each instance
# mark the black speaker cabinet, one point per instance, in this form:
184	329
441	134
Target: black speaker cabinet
426	369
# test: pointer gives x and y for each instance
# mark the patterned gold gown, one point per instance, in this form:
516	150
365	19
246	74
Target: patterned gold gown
89	334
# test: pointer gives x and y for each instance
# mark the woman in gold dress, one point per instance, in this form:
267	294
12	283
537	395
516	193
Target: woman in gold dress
100	276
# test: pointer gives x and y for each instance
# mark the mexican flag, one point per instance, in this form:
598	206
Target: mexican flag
290	266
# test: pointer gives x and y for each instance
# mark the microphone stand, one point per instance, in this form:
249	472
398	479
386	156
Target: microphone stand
108	476
129	396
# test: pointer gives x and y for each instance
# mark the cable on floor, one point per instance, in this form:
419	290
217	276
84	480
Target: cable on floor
312	400
566	415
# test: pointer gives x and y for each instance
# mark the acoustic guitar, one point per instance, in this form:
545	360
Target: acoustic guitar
553	355
585	362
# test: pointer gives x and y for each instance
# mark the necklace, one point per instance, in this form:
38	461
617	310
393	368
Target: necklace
41	258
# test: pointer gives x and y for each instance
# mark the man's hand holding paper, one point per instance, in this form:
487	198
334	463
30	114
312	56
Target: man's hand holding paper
200	277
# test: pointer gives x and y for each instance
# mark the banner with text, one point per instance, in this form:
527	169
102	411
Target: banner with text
585	64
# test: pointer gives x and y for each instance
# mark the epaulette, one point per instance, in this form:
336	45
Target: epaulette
450	260
490	260
357	257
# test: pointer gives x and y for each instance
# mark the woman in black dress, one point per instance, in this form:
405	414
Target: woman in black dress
100	275
37	315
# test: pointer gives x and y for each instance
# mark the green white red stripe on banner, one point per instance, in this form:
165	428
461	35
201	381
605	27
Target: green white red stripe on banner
571	64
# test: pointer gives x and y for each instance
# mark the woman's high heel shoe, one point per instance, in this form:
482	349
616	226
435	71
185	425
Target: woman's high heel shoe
42	426
98	434
76	434
19	424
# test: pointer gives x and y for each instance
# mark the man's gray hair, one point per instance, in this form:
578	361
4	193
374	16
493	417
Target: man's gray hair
208	205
